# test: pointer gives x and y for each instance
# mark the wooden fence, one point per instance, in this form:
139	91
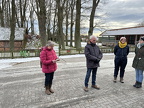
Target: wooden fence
103	49
35	53
19	54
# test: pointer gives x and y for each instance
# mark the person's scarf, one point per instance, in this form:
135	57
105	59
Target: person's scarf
139	45
92	44
122	45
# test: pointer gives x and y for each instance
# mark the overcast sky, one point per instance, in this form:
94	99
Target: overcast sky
123	13
118	14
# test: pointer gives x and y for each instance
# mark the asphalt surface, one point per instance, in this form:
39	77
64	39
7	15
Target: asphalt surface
22	86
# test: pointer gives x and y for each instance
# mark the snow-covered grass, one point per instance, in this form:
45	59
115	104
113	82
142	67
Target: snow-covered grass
9	62
4	63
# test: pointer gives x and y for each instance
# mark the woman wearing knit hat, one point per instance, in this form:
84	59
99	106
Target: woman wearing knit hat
138	63
121	51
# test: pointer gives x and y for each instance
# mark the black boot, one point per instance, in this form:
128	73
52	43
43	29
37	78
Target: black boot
135	85
139	85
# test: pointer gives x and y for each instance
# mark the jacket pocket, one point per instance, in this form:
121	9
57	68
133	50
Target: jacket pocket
141	63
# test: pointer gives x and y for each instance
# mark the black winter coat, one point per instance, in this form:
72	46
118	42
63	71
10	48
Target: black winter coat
138	62
93	55
121	52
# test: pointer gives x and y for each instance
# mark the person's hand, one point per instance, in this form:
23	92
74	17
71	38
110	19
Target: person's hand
97	61
54	61
57	59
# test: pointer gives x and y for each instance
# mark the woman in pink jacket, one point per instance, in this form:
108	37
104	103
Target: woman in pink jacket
48	59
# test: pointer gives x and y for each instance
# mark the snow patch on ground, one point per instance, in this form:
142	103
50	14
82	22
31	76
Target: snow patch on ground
4	63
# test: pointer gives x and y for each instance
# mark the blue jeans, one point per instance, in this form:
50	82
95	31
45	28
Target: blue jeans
139	75
94	71
48	78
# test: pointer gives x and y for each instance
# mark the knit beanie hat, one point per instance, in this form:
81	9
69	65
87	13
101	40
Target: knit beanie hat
122	38
142	38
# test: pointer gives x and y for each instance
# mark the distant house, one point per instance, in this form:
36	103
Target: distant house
132	34
84	38
5	37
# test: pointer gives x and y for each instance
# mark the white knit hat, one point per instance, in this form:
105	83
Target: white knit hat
122	38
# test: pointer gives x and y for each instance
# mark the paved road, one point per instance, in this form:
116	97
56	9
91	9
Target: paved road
21	86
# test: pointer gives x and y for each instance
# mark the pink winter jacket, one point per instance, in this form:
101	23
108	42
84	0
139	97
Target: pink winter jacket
46	57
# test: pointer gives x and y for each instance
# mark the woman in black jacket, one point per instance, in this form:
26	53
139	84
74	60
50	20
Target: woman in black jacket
121	51
138	63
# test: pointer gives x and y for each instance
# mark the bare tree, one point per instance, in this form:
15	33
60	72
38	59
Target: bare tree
7	14
41	14
21	13
54	25
72	6
91	27
67	22
60	6
2	6
32	20
77	25
49	16
23	5
12	26
53	16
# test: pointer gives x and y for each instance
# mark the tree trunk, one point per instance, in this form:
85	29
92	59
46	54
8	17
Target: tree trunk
72	22
25	39
12	35
95	4
41	13
77	25
7	14
54	27
2	14
17	20
49	21
67	23
60	24
23	12
32	21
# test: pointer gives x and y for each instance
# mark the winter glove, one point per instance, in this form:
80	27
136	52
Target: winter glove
97	61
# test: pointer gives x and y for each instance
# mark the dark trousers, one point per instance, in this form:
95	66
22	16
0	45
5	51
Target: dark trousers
120	63
94	71
48	78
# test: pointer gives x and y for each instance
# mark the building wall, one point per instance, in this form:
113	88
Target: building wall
112	40
5	45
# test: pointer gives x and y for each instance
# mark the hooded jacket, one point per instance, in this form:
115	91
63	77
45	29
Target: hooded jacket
93	55
46	57
138	62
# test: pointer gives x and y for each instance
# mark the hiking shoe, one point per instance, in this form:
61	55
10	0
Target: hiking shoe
86	89
115	79
121	80
95	86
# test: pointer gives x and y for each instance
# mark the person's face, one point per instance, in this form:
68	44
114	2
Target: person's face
93	40
50	47
141	41
123	41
